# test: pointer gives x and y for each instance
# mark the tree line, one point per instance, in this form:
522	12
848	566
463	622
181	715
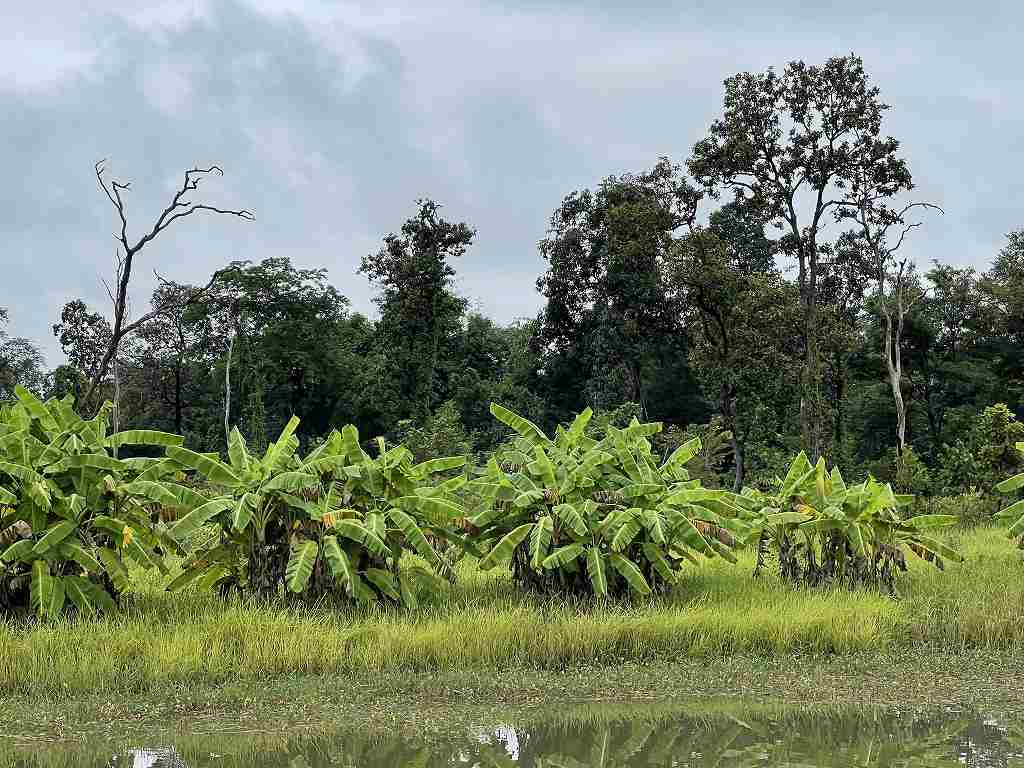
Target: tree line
756	294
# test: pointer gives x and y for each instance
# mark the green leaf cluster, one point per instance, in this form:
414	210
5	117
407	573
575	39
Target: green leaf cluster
823	531
72	514
336	521
1014	513
578	514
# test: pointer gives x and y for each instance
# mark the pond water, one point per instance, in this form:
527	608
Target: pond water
599	735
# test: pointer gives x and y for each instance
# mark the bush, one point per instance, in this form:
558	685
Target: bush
337	522
906	472
970	509
715	453
577	514
987	455
824	532
442	435
72	513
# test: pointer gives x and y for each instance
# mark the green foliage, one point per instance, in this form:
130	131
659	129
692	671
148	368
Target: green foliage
906	472
419	309
824	532
21	362
997	437
335	522
71	514
970	509
1015	511
608	300
986	456
578	514
708	464
441	435
958	469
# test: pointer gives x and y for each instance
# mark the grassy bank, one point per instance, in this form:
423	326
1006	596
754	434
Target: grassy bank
486	625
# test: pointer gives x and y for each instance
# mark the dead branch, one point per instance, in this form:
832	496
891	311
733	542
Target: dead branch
179	208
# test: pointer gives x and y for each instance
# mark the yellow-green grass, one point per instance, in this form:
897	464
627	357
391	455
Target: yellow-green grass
486	623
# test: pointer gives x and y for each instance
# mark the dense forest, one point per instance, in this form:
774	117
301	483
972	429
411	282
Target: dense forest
756	294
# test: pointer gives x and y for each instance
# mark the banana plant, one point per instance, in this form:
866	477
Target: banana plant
249	510
336	521
596	516
376	511
72	515
1015	512
823	531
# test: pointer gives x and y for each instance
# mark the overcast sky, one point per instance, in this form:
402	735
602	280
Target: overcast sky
331	118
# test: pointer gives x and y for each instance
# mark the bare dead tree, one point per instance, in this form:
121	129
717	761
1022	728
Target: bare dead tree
179	208
896	287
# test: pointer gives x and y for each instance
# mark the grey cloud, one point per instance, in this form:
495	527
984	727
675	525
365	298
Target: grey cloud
331	119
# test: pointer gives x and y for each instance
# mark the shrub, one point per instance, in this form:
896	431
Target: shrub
337	522
988	454
442	435
71	513
969	508
997	440
823	532
910	474
714	454
576	514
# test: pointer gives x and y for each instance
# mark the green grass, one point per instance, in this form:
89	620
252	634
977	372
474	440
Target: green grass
486	624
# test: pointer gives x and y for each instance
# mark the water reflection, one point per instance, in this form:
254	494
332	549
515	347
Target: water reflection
607	737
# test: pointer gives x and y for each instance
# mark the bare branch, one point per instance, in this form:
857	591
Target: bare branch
920	204
179	207
903	234
164	309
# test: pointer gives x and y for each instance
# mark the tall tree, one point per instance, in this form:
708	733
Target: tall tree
1002	288
948	371
418	304
740	319
84	337
21	362
288	325
493	363
840	304
605	285
792	144
879	232
176	351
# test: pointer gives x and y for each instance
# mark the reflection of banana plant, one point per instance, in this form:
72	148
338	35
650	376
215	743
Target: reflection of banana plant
825	532
601	736
1015	512
334	521
596	516
71	513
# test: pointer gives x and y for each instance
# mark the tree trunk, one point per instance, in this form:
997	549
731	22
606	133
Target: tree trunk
637	385
428	384
934	429
227	392
177	398
727	407
839	393
739	455
812	416
894	365
812	412
117	399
